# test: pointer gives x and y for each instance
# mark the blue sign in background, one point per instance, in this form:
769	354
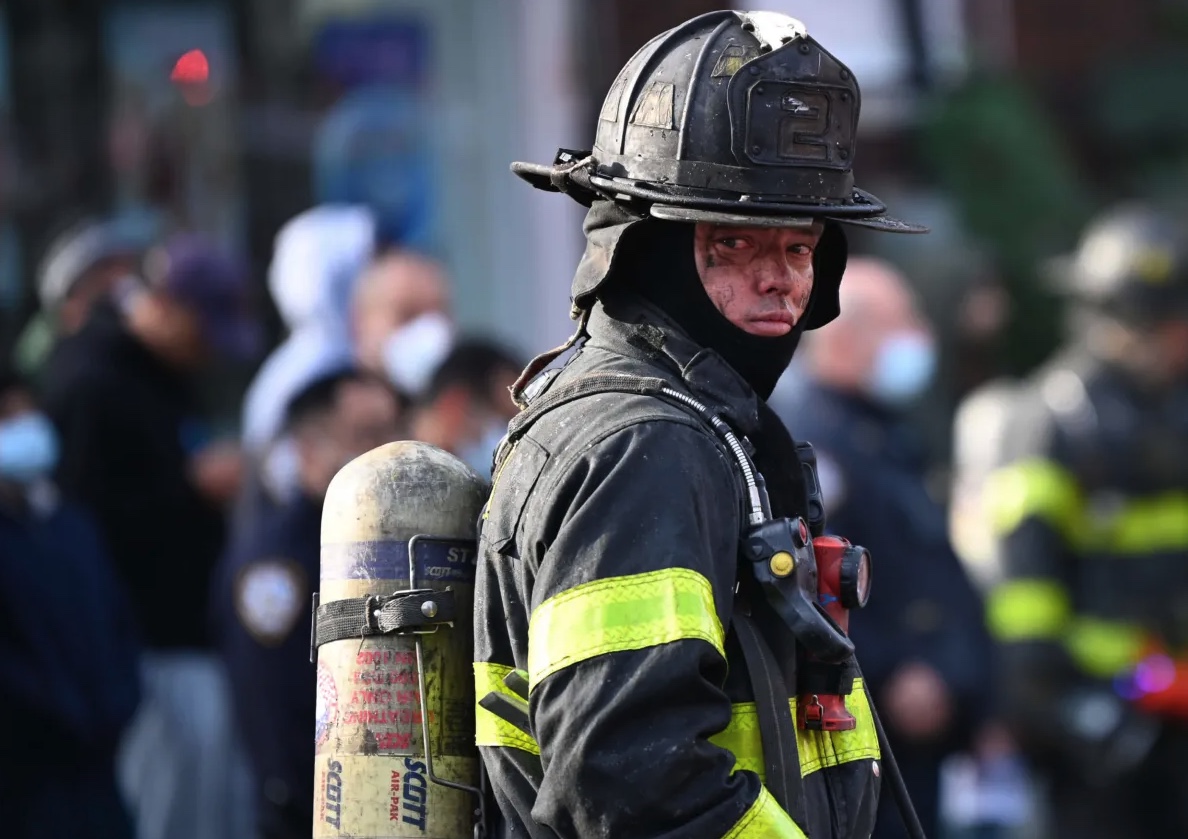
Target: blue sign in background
391	51
373	149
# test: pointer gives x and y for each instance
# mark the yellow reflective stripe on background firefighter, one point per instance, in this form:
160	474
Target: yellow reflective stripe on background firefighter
817	750
491	729
1139	526
765	820
621	613
1104	648
1045	490
1033	489
1027	608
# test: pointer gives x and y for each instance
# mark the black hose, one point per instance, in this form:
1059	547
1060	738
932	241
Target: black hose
903	801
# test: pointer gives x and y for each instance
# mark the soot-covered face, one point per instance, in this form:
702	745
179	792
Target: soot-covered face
759	278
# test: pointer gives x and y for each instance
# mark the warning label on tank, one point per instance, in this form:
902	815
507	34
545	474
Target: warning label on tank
384	699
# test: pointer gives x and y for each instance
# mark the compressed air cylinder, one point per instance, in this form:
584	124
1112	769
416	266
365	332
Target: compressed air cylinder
371	777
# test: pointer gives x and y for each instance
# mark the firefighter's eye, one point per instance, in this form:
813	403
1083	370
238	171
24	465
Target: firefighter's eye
800	250
734	243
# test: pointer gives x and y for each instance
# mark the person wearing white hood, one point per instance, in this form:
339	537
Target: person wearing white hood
317	257
342	304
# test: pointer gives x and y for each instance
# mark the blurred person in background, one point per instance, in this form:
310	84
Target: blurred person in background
317	258
1085	550
68	673
397	324
468	403
264	586
400	319
924	649
81	266
135	451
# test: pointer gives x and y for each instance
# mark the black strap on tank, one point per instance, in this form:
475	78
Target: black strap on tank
415	610
777	729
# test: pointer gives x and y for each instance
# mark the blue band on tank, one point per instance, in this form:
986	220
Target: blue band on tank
437	561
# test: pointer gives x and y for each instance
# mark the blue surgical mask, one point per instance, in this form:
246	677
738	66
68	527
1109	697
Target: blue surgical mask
903	369
479	454
28	448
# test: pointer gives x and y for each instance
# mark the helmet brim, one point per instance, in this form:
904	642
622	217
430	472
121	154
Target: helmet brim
866	212
693	215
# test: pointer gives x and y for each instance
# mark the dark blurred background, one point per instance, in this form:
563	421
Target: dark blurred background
972	111
311	146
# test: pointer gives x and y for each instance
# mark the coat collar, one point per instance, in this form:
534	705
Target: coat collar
629	325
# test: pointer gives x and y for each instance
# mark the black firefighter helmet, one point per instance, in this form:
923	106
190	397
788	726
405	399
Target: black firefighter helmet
734	118
1131	264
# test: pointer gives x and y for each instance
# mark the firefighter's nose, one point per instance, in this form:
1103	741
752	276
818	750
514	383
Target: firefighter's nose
774	278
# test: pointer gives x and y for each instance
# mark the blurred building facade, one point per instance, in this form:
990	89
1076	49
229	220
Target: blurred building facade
208	114
106	105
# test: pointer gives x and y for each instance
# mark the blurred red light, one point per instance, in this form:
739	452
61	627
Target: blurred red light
191	68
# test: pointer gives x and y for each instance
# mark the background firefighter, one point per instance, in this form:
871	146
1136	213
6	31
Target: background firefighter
1088	538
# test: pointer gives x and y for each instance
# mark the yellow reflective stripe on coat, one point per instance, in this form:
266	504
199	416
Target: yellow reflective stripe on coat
1104	648
1140	526
817	749
1022	609
621	613
765	819
1033	489
491	729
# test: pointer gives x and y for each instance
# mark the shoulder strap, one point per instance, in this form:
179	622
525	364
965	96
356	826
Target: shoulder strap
777	729
581	387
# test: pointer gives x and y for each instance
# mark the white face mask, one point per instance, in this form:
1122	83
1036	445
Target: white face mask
413	352
904	368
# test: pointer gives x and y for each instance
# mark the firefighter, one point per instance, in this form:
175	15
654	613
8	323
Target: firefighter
610	547
1080	476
